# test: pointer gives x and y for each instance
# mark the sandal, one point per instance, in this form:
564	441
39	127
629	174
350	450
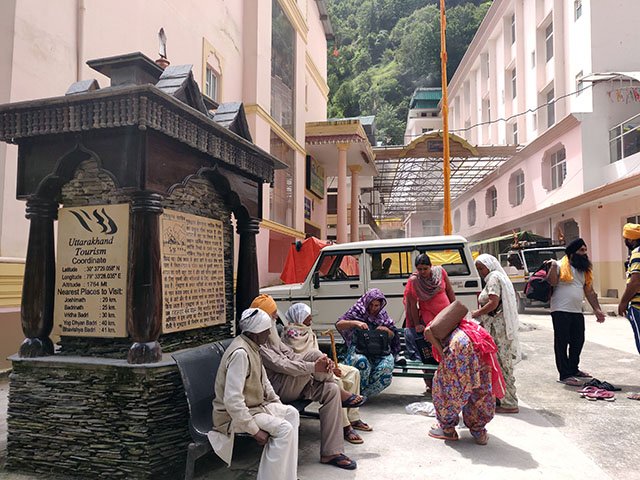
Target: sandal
571	381
438	432
600	394
354	401
587	389
633	396
481	439
342	461
360	425
351	436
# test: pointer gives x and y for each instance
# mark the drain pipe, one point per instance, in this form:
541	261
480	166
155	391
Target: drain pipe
80	11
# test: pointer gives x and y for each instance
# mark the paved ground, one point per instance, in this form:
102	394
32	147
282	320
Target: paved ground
557	435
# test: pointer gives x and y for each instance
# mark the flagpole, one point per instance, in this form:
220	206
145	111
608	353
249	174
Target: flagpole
446	168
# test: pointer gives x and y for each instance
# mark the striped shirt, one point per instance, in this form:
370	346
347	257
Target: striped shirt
634	267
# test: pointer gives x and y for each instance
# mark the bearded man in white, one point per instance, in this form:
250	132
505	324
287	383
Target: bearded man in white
246	403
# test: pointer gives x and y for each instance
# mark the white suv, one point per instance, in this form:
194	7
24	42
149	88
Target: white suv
344	272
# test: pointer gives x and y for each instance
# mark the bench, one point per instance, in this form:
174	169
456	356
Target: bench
414	368
198	368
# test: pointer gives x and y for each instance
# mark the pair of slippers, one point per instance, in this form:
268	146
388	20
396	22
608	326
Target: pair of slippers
594	393
438	432
594	382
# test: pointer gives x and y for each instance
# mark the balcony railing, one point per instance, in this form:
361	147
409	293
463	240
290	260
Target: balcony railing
624	139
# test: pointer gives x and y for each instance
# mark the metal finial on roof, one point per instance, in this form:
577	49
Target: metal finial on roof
162	39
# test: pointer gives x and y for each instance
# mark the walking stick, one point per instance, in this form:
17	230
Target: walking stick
333	345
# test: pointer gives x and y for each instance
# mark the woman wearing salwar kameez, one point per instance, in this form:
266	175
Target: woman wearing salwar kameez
468	379
369	313
299	335
498	314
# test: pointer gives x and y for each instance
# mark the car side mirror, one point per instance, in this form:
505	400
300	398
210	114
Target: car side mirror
316	279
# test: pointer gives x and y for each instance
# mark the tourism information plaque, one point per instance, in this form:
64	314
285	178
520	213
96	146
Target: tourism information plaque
91	271
193	286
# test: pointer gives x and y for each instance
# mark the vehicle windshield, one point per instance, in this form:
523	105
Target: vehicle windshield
535	258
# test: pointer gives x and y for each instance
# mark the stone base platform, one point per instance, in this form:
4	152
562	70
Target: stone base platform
86	417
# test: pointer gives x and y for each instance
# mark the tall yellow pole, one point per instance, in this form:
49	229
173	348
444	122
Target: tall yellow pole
446	168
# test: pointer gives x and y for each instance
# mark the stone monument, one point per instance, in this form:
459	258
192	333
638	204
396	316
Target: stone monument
144	182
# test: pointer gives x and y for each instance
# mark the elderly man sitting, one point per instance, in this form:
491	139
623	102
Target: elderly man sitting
309	376
245	402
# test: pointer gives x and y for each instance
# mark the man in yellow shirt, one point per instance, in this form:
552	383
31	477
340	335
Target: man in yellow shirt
629	305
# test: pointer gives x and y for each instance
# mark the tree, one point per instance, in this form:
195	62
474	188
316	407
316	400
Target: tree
387	48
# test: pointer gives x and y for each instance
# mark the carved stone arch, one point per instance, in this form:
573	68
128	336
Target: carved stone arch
65	170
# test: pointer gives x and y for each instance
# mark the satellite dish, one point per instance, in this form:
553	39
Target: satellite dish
162	39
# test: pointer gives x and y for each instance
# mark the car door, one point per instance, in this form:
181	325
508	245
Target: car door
389	269
338	283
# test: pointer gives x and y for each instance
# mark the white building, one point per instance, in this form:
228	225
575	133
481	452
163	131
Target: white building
557	78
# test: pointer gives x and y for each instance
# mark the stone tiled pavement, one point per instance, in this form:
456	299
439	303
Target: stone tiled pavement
557	435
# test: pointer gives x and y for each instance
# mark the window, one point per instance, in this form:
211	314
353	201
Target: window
551	108
533	59
513	28
634	219
514	77
624	139
431	227
456	220
471	213
534	120
390	263
558	165
425	130
281	193
516	188
577	9
548	41
453	260
579	83
339	266
491	201
211	86
486	110
283	67
514	132
332	201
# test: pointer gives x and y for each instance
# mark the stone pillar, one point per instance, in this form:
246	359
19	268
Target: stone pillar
247	281
355	204
341	228
38	289
144	299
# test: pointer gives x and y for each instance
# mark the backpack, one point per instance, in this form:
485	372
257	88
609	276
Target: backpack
537	287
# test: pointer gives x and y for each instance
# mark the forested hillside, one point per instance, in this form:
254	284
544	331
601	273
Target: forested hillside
384	49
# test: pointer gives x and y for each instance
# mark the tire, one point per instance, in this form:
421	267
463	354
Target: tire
521	305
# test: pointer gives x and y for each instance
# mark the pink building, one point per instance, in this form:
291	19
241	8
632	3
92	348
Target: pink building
271	55
558	79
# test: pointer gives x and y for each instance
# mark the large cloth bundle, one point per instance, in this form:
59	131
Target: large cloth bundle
447	320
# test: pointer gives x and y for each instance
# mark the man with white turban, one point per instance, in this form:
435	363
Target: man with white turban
629	305
245	402
299	335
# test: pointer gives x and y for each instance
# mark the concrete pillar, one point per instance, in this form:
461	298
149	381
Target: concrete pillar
341	228
355	204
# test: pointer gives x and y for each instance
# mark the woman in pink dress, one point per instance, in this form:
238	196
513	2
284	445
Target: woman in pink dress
428	291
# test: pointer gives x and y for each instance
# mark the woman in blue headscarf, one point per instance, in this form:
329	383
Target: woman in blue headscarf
368	313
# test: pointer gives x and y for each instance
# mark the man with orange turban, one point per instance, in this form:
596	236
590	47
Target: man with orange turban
629	305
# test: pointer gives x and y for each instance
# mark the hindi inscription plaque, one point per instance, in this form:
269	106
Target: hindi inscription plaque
193	283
